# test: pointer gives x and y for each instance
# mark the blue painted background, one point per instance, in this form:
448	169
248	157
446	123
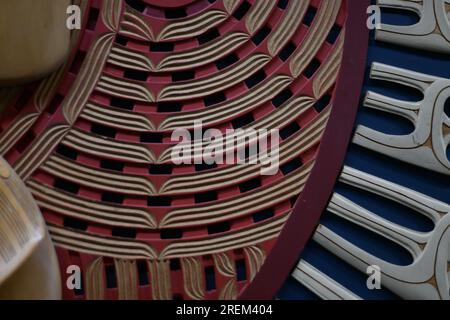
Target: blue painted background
432	184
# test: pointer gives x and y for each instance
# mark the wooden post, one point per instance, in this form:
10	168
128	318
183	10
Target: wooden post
34	39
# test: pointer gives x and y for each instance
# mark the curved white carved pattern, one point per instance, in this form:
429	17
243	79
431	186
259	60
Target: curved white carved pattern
432	32
428	276
321	284
426	146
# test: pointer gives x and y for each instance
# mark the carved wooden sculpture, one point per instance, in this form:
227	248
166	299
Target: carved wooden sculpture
28	265
92	142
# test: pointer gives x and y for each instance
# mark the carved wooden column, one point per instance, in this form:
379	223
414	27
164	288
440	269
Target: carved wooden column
28	264
33	37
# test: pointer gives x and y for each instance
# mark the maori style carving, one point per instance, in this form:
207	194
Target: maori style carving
426	274
25	247
88	152
93	144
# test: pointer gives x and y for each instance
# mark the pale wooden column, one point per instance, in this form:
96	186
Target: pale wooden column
34	39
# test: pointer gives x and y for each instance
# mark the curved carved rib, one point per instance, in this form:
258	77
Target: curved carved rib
322	25
95	289
427	276
97	212
328	73
127	279
238	206
319	283
258	14
232	175
102	180
116	118
193	278
106	147
192	27
238	239
101	246
203	55
255	259
288	26
160	279
135	26
432	32
218	82
131	59
427	145
39	151
124	88
260	94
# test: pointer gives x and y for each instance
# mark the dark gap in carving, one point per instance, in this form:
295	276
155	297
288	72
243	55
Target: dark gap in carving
175	13
219	227
334	34
75	223
322	103
112	165
210	278
291	166
242	121
309	16
241	270
169	106
261	35
123	232
67	152
282	97
160	169
66	186
103	130
250	185
242	10
142	272
263	215
171	234
159	201
214	99
111	278
205	196
287	51
183	75
208	36
136	75
122	103
161	46
151	137
289	130
311	69
137	5
227	61
112	197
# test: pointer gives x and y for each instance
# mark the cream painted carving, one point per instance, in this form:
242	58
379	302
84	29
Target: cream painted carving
427	277
321	284
426	146
28	265
432	32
